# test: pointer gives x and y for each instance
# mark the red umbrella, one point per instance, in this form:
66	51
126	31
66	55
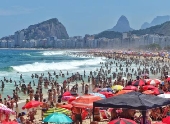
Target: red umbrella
122	121
153	82
148	92
139	82
158	91
71	99
149	87
32	104
9	122
130	88
69	93
107	94
166	120
67	106
168	79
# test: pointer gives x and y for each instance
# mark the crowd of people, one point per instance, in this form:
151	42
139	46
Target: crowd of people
118	69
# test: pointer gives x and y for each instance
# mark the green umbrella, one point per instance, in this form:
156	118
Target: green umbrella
58	118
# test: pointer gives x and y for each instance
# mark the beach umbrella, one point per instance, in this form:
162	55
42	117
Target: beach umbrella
168	79
153	82
158	91
122	121
69	93
124	92
58	118
72	99
107	94
139	82
149	87
117	87
85	101
67	106
107	89
9	122
166	120
32	104
98	94
130	88
66	98
59	110
148	92
6	109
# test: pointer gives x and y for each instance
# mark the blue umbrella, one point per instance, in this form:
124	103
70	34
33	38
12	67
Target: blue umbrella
98	94
58	118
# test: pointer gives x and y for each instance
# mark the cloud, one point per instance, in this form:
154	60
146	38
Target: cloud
16	10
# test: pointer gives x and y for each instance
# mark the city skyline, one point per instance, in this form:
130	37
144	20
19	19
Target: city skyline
79	18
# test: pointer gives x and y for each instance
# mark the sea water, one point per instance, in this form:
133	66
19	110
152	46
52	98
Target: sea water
14	62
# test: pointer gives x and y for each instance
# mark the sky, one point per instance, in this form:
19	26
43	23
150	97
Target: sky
80	17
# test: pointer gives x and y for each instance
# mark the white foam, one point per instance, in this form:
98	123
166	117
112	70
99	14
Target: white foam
69	65
52	53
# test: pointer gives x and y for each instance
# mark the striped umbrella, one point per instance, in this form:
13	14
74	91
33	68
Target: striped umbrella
153	82
98	94
6	109
59	110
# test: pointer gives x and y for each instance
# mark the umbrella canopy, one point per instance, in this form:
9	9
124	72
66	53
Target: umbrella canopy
166	120
67	106
98	94
133	100
59	110
148	87
6	109
69	93
148	92
66	98
139	82
107	94
9	122
32	104
168	79
117	87
85	101
106	89
153	82
122	121
158	91
124	92
57	118
130	88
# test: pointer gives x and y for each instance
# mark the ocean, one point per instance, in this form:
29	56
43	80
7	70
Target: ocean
14	62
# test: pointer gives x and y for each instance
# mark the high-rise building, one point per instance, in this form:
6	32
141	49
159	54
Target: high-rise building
19	38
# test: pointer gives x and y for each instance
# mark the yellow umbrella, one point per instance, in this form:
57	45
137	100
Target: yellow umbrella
117	87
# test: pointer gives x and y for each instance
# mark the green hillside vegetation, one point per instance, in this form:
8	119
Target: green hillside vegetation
109	35
163	29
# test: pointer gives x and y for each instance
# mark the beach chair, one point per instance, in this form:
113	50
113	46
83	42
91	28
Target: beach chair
104	114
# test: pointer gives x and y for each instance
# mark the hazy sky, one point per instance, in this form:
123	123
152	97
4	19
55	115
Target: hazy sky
80	17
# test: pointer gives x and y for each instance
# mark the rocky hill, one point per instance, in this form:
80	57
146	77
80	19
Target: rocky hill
122	25
108	34
163	29
156	21
51	27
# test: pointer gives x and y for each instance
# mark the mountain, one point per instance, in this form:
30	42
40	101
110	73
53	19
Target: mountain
49	28
163	29
122	25
156	21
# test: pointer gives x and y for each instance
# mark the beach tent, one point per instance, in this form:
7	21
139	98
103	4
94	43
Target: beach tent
133	100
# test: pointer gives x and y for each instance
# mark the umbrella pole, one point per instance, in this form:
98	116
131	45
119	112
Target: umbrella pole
93	111
144	116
